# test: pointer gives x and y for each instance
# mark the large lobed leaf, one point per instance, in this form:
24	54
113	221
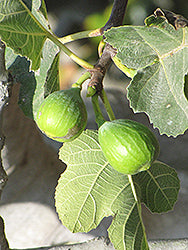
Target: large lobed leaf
159	53
90	189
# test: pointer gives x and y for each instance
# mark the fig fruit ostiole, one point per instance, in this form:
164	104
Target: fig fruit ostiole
62	116
129	146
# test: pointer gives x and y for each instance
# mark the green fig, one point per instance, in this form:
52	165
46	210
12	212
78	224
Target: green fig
62	116
129	146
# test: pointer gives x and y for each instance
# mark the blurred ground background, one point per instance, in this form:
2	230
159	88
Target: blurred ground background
31	160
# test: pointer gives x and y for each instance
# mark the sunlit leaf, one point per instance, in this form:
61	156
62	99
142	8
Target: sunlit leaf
159	53
90	189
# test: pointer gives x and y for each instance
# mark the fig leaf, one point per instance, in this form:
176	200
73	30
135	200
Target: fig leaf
90	189
159	53
24	27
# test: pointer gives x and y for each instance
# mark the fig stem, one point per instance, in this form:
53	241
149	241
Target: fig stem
91	90
80	35
98	114
81	80
107	105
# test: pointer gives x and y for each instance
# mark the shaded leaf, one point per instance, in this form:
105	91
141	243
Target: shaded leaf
90	189
32	83
159	53
19	67
49	65
52	80
159	187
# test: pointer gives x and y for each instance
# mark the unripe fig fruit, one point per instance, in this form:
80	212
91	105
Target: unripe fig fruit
129	147
62	116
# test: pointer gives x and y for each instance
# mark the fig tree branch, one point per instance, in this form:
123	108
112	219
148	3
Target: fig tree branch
116	19
117	14
100	68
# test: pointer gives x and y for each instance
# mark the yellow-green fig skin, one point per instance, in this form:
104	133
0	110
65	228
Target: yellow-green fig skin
129	146
62	116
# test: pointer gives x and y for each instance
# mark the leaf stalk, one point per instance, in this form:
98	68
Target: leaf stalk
68	52
81	80
107	105
80	35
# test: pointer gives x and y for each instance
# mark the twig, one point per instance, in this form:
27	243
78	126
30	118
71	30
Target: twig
117	14
100	68
116	19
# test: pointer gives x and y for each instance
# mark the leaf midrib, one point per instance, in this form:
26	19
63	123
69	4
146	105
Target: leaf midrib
157	52
89	192
33	17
